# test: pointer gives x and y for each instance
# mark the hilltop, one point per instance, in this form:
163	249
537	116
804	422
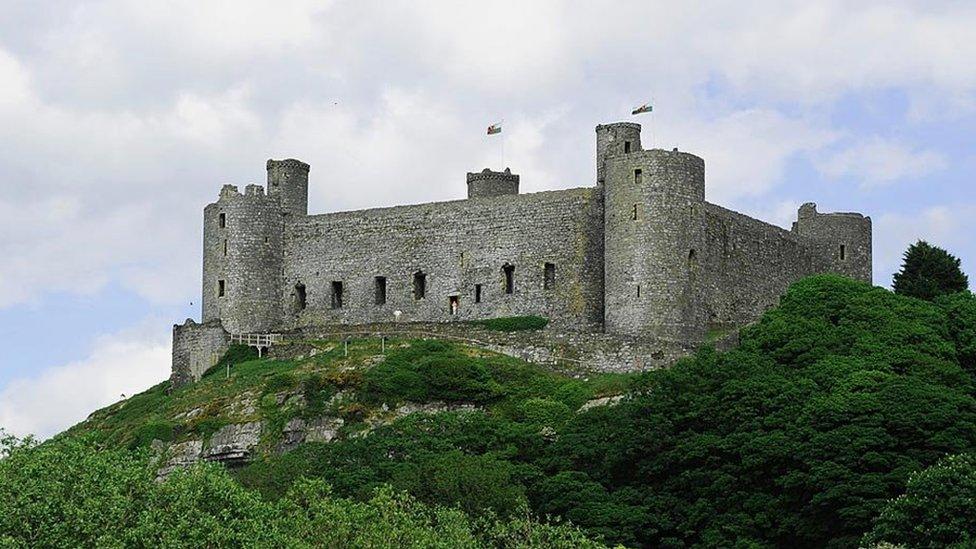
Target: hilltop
846	416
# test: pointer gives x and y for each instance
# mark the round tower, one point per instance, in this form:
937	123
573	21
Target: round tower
653	238
288	182
487	183
619	137
242	260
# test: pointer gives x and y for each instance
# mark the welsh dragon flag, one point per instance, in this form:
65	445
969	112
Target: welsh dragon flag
643	108
495	128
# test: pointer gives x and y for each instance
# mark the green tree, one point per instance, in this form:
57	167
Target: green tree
938	508
928	272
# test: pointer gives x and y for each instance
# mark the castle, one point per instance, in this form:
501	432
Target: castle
640	256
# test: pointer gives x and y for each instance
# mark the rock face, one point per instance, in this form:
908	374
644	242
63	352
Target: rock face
181	455
233	443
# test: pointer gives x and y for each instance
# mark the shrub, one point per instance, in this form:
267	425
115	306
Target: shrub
153	430
938	508
514	323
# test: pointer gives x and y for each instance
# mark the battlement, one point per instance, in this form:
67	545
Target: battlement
487	183
289	163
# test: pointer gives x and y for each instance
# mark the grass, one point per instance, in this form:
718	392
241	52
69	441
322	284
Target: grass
514	323
276	391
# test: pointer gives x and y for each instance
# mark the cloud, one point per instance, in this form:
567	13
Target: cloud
122	363
876	162
947	226
131	116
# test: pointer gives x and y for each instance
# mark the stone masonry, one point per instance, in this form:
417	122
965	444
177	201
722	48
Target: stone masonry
640	256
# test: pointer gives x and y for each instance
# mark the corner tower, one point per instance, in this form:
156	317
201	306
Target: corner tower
288	182
242	260
653	237
841	242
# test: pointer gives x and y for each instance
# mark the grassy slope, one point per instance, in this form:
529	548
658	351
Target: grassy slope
360	387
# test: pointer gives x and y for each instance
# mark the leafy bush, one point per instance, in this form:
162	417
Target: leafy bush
429	371
514	323
65	493
928	272
938	508
153	430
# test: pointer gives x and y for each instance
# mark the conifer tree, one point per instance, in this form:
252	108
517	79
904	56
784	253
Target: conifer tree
928	272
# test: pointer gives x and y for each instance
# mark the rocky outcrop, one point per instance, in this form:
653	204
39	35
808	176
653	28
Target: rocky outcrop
233	443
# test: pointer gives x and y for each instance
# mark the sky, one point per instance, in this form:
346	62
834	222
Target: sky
121	119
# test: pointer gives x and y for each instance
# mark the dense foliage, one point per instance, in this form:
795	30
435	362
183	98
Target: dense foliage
928	272
938	508
806	435
797	438
66	494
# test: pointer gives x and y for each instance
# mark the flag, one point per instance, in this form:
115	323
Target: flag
643	108
495	128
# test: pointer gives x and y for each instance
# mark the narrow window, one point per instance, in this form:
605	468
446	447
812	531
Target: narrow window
336	294
626	146
223	221
454	302
638	290
638	177
225	246
633	214
265	240
477	293
509	278
220	288
379	290
461	259
300	297
419	285
843	252
549	276
691	257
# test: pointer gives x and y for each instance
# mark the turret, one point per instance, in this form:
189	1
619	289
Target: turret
841	241
620	137
487	183
288	182
653	237
242	260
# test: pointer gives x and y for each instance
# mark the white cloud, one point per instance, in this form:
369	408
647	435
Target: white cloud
134	114
122	363
876	161
947	226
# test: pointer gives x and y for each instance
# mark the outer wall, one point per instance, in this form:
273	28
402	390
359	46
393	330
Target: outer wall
457	245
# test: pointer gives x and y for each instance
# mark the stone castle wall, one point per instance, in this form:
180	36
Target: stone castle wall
196	347
456	247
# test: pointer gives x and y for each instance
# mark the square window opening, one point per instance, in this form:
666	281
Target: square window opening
454	302
638	177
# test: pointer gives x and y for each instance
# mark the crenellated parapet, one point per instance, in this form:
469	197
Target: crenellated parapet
841	240
487	183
